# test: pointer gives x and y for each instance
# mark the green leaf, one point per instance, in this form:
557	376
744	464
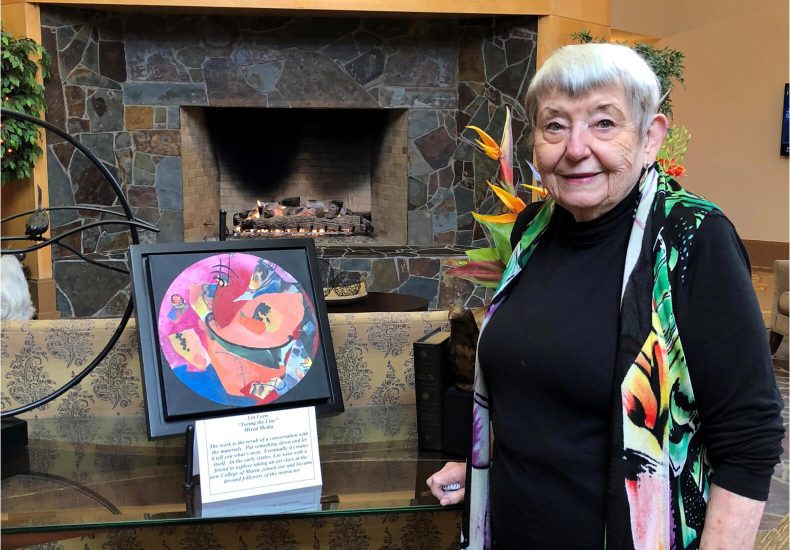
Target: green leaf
483	254
500	234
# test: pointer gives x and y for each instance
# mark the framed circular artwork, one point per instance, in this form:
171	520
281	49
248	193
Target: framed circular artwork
231	327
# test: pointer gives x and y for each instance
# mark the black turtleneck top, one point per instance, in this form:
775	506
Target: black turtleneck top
549	352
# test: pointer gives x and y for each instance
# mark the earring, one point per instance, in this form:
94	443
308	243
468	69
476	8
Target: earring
647	164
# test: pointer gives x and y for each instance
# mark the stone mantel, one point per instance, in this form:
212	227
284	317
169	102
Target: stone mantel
591	11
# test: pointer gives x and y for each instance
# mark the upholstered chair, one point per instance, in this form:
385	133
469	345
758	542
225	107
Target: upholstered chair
779	305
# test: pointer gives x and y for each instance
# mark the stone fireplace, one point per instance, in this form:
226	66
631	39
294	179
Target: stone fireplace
234	157
139	89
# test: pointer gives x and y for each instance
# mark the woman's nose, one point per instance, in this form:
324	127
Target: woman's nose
577	146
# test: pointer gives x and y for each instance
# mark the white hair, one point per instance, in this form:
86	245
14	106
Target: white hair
579	69
15	302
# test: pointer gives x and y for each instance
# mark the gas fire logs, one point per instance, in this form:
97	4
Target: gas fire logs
288	217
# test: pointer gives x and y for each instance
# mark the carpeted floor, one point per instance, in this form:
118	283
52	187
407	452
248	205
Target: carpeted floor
777	538
774	525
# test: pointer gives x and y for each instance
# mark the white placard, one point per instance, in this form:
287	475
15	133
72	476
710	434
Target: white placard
257	454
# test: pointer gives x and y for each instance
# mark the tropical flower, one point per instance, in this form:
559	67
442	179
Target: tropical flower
541	191
485	266
487	143
672	168
512	202
673	151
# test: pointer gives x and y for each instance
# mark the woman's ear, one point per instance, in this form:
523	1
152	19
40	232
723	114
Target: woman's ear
655	136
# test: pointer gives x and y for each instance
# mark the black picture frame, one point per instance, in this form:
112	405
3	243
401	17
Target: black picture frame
231	327
784	144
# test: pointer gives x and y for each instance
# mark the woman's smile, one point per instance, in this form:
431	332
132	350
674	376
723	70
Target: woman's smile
583	178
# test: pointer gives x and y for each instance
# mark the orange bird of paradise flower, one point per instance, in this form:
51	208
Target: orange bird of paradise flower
486	265
502	152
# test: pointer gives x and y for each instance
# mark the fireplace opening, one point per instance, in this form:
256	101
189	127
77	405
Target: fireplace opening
236	158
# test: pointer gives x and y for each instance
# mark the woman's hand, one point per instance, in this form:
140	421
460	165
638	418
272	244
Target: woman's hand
453	472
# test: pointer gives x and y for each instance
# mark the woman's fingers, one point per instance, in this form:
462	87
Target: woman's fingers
453	497
447	485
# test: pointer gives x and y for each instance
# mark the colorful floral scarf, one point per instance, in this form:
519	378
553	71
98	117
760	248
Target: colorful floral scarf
658	472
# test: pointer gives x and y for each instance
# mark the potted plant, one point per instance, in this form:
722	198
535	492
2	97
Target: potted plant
22	59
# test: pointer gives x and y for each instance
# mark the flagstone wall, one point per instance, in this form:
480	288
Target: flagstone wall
120	80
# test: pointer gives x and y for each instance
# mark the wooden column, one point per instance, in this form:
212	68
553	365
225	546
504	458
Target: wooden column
23	19
554	31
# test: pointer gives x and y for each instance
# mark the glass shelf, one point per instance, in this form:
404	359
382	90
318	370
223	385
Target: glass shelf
369	462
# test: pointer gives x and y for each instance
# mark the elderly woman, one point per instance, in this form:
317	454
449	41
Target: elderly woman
624	360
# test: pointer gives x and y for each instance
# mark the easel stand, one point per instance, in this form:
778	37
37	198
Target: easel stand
189	459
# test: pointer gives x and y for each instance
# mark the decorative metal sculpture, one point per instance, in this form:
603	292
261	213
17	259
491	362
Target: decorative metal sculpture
37	224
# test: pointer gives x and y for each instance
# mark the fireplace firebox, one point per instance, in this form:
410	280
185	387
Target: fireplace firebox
238	158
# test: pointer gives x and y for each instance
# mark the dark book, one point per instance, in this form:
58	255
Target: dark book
15	456
457	421
431	378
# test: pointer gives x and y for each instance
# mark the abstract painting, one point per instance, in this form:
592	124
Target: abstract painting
231	327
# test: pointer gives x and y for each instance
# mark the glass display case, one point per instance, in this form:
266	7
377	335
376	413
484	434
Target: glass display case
64	481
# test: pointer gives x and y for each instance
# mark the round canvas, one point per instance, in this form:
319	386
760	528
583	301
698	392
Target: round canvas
237	329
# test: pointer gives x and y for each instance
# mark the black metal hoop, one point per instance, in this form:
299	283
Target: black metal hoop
130	221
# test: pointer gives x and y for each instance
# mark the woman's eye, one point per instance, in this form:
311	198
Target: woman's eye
605	123
553	126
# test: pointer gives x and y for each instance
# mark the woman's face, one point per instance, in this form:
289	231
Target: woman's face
589	151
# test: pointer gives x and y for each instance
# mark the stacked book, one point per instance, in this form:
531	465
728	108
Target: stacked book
444	412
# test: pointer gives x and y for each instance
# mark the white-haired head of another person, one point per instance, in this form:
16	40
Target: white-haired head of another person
15	302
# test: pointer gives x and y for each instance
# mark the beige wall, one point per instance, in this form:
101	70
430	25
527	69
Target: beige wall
736	67
639	17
